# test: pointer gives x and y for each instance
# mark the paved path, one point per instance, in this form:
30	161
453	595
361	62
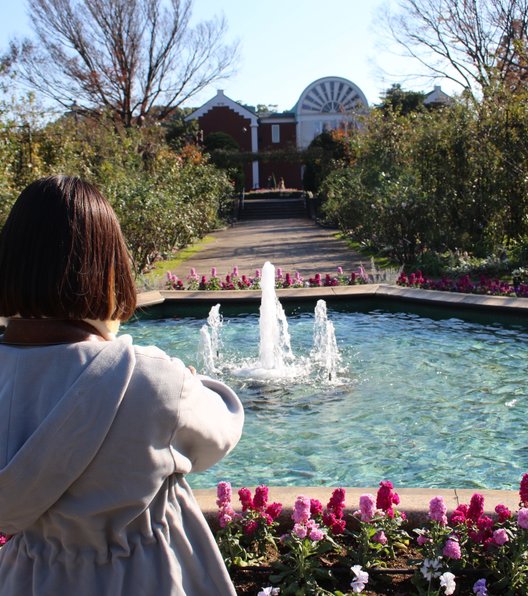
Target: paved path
292	244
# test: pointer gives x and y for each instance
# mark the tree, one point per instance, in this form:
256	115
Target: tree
402	101
474	43
134	59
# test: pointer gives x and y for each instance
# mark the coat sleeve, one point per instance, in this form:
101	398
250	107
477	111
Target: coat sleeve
210	421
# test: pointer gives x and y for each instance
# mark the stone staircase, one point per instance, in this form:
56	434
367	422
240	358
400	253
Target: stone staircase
272	205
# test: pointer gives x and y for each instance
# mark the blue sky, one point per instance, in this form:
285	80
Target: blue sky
287	44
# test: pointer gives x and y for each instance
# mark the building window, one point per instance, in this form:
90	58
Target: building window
275	133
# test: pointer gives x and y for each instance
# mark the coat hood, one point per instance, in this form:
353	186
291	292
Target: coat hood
65	431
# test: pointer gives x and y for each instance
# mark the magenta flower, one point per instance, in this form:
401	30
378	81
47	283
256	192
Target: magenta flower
476	507
261	498
301	512
522	518
244	495
336	504
316	507
503	513
438	510
500	537
250	527
523	490
451	549
274	510
367	505
386	497
3	539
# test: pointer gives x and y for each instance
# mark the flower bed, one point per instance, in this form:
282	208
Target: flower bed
464	284
237	281
373	550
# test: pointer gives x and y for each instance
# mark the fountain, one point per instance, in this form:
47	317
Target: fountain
276	359
426	397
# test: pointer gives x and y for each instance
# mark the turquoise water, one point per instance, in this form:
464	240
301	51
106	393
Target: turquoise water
423	401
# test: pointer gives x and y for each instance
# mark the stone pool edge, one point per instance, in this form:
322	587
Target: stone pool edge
398	293
414	501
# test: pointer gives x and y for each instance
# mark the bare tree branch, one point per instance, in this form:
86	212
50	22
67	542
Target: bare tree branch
475	43
125	57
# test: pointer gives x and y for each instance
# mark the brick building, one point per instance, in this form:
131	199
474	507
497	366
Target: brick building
328	103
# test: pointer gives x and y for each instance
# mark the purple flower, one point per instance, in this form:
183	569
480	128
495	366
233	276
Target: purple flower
438	510
480	588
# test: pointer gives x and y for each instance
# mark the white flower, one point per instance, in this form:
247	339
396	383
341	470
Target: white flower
430	568
269	592
361	579
447	581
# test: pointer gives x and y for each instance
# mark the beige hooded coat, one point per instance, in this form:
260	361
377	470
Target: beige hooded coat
95	439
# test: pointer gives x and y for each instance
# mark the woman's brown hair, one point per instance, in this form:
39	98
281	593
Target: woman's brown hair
62	255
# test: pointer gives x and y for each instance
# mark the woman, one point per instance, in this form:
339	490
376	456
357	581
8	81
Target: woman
96	434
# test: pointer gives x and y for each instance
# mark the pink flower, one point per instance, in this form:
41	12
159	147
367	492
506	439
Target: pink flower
3	539
522	518
244	495
367	507
257	273
523	490
340	270
301	512
476	507
224	519
451	549
300	530
213	272
235	271
423	540
503	513
438	510
380	537
261	498
316	534
224	493
500	537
